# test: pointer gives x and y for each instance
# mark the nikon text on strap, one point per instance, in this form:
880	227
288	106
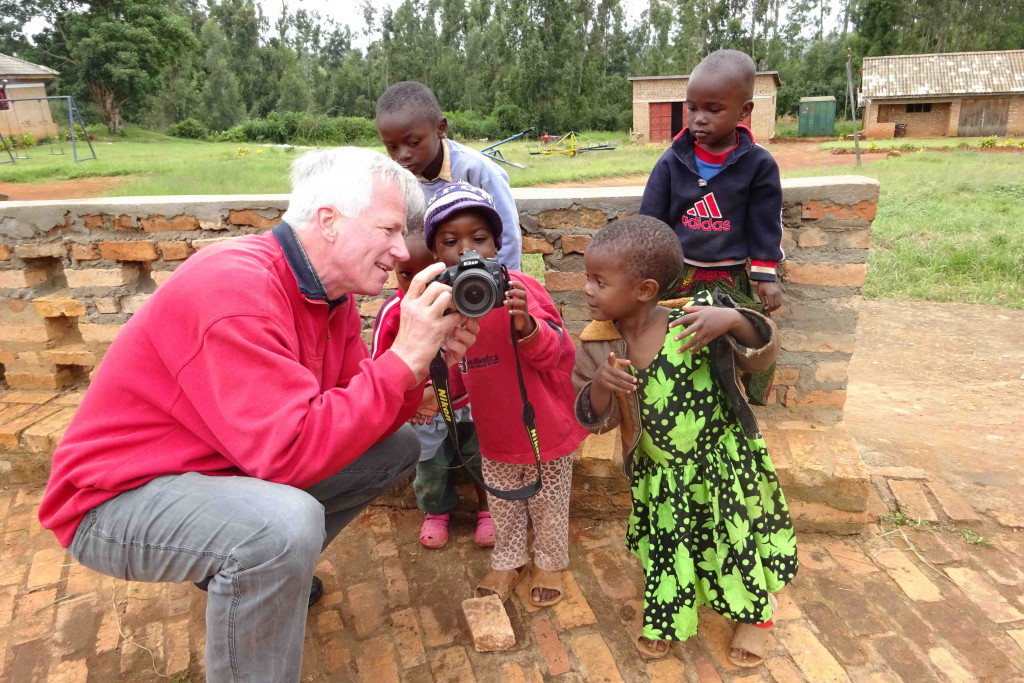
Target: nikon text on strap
439	376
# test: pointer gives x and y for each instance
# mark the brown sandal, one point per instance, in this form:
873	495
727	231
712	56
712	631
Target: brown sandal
542	579
649	648
502	582
752	640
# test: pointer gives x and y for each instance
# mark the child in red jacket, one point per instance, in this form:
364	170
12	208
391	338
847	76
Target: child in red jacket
462	218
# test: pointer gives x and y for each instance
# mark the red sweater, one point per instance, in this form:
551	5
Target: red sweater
385	331
227	370
489	372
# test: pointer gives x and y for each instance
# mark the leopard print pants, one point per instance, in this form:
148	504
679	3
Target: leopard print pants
549	510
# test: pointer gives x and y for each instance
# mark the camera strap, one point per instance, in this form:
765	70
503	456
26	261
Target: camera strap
439	376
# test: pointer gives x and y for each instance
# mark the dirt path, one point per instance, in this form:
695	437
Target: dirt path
790	156
81	188
941	387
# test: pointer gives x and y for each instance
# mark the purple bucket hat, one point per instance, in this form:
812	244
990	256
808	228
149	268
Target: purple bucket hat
456	197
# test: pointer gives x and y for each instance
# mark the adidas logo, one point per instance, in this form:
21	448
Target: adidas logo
703	214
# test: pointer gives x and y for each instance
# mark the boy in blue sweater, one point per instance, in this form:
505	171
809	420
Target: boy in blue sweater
415	134
721	194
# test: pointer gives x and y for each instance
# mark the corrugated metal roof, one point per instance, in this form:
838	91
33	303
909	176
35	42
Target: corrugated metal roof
954	73
775	74
12	66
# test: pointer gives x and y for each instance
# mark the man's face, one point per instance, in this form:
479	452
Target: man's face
367	247
410	139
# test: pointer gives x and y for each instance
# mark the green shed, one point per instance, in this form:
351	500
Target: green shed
817	116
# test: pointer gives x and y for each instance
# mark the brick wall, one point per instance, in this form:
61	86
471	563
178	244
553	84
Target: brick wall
919	124
72	273
1015	120
27	117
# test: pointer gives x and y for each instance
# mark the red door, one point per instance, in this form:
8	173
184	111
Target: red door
661	121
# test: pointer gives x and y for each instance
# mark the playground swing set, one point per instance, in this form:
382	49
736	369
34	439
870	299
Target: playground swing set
74	120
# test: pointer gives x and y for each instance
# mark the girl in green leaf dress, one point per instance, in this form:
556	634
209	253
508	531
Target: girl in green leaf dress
709	521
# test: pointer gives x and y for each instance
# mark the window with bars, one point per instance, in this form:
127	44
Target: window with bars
919	108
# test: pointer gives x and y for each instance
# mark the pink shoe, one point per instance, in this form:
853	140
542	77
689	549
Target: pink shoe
434	532
484	530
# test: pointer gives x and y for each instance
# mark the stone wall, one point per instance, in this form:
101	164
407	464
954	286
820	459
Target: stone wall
919	124
73	272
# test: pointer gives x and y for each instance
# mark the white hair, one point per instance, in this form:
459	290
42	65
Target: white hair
344	178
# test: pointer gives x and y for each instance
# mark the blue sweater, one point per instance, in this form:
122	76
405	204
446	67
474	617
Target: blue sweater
727	218
470	166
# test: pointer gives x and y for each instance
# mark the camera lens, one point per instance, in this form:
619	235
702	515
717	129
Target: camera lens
474	293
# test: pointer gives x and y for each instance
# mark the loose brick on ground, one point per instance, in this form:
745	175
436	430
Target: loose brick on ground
489	625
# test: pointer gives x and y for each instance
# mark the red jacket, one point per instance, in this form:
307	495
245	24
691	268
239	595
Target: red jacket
385	331
229	369
489	372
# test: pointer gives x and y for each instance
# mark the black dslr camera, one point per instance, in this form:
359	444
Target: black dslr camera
478	284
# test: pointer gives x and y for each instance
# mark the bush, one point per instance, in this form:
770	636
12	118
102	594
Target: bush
47	139
987	142
189	128
27	140
303	129
510	119
471	125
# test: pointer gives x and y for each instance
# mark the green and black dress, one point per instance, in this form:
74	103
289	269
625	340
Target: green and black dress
709	521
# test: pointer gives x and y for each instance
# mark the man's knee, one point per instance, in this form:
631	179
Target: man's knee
290	529
404	447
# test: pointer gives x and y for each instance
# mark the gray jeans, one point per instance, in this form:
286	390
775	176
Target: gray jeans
259	541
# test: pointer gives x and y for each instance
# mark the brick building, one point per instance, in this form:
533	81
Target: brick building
956	94
659	106
19	80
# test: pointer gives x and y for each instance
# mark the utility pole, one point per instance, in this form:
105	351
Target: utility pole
853	106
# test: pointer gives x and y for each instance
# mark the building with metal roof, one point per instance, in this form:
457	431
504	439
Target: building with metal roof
955	94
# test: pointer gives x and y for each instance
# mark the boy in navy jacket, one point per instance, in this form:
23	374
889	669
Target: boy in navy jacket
720	192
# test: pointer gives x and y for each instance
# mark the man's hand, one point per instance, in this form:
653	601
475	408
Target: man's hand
423	326
460	339
427	410
516	303
770	295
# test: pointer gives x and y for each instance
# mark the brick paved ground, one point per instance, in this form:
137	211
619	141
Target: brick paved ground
861	609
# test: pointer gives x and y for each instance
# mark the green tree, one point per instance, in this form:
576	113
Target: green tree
222	98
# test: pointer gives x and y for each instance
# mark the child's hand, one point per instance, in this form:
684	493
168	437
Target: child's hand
770	295
427	410
515	302
611	377
706	324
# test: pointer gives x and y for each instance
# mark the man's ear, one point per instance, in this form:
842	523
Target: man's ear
647	290
746	109
442	127
327	223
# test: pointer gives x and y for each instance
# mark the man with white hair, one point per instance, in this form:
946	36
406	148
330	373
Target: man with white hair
237	423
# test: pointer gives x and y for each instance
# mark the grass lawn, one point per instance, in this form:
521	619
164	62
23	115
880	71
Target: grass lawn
950	227
159	165
918	143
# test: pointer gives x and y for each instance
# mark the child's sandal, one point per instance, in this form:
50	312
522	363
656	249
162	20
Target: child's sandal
501	582
542	579
650	649
751	641
434	532
484	530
